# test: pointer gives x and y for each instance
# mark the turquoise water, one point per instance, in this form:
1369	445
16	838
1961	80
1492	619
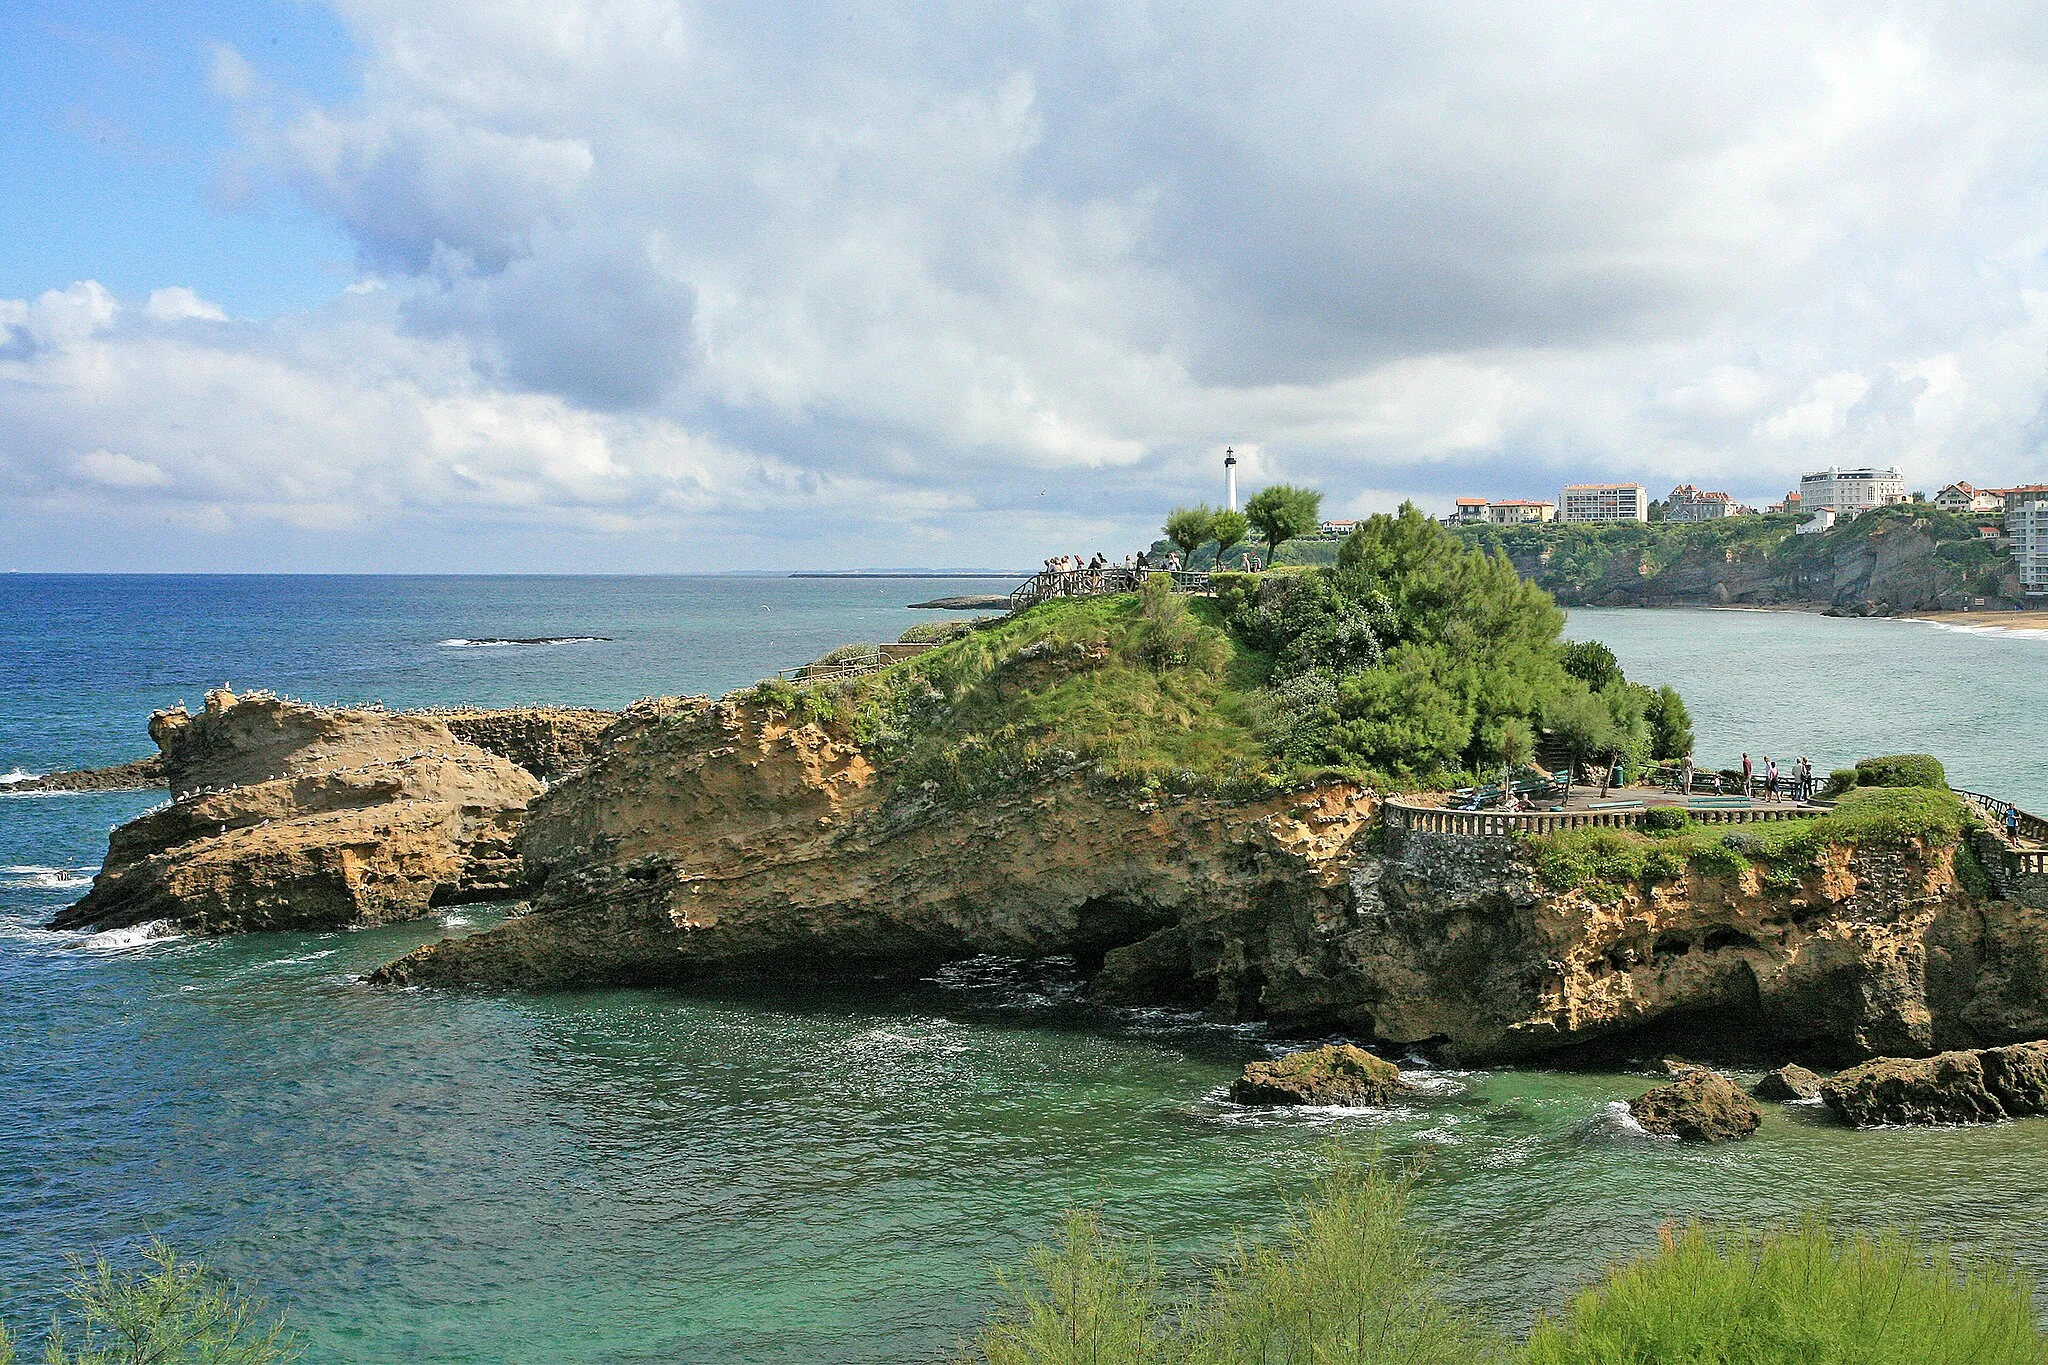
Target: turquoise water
819	1176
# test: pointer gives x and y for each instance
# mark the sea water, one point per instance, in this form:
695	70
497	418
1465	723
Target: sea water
814	1175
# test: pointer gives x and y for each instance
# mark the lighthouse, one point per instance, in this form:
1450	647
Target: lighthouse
1229	478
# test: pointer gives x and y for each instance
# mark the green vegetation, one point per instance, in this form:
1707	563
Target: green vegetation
1610	864
1228	530
177	1312
1190	527
1902	770
1281	512
1349	1279
1802	1295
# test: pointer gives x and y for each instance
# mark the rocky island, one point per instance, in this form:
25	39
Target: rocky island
1230	801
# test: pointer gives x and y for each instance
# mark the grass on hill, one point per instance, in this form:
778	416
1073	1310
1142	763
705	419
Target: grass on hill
1611	864
1350	1279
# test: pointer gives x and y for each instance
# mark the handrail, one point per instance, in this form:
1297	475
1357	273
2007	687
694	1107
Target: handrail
1406	816
881	657
1098	583
2031	826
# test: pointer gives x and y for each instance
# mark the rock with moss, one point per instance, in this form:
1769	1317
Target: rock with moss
1700	1106
1971	1086
1338	1074
1788	1083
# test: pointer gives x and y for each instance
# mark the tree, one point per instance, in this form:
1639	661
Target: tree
1581	723
177	1310
1592	663
1227	529
1670	725
1282	512
1188	527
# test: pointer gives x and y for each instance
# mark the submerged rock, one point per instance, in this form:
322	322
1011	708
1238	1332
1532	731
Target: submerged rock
140	774
1788	1083
1338	1074
1700	1106
1980	1086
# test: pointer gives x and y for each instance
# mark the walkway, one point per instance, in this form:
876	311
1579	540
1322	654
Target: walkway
2027	853
1098	583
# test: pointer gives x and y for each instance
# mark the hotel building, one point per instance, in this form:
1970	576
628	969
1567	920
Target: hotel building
1603	502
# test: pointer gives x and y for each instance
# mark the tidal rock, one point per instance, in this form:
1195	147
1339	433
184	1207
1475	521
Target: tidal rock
1788	1083
1338	1074
138	775
1700	1106
1980	1086
294	816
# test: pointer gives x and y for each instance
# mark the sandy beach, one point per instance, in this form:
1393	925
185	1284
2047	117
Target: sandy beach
1992	620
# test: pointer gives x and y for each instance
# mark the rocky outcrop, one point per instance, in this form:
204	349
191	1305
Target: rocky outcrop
138	775
726	839
289	815
1700	1106
1788	1084
1981	1086
551	742
1337	1074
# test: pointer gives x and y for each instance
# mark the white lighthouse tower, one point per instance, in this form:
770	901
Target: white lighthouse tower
1229	478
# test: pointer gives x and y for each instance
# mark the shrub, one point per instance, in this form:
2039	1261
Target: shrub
1592	663
1665	820
176	1311
1901	770
1802	1295
1839	781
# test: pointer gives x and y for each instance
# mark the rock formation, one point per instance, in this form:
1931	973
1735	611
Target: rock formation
137	775
725	838
1337	1074
1788	1083
1700	1106
289	815
1980	1086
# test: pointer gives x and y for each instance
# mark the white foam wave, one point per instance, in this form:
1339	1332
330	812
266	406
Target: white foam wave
1614	1123
495	643
132	937
18	775
309	957
33	878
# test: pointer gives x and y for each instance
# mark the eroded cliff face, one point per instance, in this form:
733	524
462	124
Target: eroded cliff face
719	839
289	815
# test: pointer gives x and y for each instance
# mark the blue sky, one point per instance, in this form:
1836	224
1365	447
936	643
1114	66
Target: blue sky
112	146
660	284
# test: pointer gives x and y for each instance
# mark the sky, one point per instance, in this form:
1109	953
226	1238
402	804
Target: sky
654	286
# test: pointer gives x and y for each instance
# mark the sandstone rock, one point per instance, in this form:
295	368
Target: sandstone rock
1700	1106
1337	1074
288	815
1981	1086
1788	1083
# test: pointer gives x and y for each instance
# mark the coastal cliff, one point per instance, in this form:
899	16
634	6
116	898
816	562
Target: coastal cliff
291	815
727	839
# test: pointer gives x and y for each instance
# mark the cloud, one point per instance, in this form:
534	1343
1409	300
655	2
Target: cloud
802	284
119	471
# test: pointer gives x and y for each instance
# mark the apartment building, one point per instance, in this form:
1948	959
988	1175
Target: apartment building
1520	512
2026	531
1850	492
1603	502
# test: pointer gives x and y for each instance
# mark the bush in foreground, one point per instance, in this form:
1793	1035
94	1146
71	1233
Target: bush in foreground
1348	1280
1901	770
176	1312
1802	1295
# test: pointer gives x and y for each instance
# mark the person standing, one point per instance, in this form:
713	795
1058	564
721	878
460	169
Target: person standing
1770	778
1748	779
2012	824
1685	776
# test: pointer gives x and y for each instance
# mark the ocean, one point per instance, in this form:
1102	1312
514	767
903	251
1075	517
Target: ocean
824	1175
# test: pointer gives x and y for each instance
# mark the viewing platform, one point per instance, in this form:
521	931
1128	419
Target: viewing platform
1586	808
1098	583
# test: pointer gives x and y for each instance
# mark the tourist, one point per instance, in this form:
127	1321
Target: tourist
1173	561
1144	561
1770	778
1805	779
2012	824
1685	776
1748	779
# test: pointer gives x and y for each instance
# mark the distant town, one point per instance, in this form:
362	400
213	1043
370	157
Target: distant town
2015	518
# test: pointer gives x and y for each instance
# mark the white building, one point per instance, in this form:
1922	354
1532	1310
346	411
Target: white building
1823	519
2026	530
1851	492
1967	501
1603	502
1520	512
1687	503
1470	512
1337	530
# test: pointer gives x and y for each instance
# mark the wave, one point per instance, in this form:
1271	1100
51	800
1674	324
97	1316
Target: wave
32	878
18	775
495	642
133	936
1614	1123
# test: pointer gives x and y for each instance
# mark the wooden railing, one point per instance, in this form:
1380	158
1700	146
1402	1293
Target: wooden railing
1098	583
1405	816
881	656
2030	826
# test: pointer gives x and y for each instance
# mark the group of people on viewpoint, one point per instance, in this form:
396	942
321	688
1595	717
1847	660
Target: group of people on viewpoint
1141	562
1795	784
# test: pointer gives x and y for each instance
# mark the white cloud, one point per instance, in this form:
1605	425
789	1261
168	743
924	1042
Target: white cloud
797	284
119	471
